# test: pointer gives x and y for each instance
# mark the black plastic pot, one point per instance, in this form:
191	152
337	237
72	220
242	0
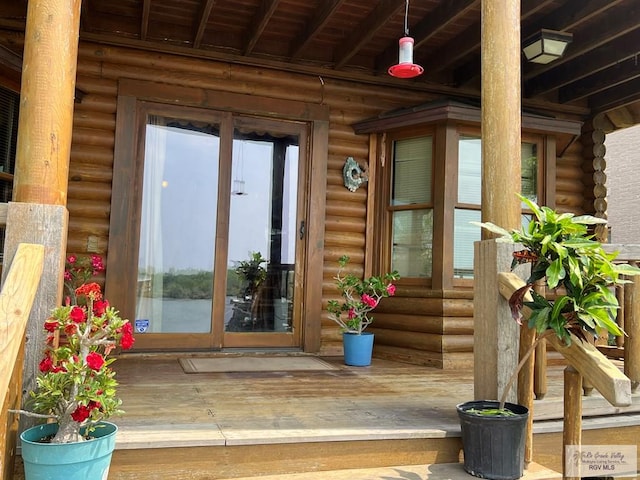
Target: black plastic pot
493	445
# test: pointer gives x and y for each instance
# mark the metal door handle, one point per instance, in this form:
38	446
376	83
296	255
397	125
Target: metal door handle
302	229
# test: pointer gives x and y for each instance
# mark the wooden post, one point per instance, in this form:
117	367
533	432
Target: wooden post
572	429
540	360
501	113
632	327
44	225
496	334
46	101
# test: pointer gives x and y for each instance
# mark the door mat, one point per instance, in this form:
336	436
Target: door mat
253	364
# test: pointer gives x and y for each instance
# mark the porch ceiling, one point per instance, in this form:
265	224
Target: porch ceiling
359	39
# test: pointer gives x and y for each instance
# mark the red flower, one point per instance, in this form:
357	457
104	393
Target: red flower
369	300
351	313
70	329
51	325
391	289
91	290
81	413
127	340
99	307
93	405
77	315
46	365
95	361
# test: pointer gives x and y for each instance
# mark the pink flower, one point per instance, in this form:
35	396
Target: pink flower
352	313
391	289
369	300
95	361
72	259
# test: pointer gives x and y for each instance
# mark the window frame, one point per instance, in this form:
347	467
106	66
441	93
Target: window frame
385	228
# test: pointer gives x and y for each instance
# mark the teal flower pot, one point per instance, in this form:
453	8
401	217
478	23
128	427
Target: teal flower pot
357	348
68	461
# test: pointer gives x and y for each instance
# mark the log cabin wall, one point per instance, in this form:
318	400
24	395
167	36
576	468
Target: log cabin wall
417	325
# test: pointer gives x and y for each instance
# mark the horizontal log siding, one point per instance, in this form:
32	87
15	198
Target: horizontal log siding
569	170
418	325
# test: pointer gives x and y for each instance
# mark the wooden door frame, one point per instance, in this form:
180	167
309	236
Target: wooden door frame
124	221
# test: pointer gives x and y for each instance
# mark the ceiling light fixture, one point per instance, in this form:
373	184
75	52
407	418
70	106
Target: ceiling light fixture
546	46
405	68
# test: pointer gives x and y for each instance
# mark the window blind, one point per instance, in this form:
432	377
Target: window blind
412	169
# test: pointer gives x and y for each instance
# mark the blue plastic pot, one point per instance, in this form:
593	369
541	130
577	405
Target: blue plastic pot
68	461
357	348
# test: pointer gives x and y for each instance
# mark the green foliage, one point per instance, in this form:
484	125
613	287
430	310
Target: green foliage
252	273
563	253
360	296
196	285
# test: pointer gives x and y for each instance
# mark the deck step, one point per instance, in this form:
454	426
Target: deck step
438	471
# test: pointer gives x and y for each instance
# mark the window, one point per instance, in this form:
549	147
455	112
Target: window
411	207
468	205
9	107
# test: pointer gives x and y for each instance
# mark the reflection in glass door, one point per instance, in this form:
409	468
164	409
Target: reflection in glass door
262	233
177	229
219	233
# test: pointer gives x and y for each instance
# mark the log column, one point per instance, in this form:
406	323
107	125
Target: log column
501	112
42	157
46	101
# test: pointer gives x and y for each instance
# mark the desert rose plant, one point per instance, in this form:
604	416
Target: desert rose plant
76	386
360	297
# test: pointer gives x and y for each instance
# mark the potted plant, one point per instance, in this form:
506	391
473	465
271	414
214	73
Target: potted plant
580	273
360	297
76	387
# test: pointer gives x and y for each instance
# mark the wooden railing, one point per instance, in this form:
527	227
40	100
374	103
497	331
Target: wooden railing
16	300
628	347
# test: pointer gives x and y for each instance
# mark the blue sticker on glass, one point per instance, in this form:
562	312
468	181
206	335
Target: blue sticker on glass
142	325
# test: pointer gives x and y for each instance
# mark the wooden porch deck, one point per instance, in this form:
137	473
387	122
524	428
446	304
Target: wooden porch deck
232	425
388	401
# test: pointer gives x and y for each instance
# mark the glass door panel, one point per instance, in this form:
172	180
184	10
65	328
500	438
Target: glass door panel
262	234
177	228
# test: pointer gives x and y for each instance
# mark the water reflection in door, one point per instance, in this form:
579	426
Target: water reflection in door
262	232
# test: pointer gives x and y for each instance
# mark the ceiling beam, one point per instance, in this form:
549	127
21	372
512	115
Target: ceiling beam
144	21
616	97
259	23
314	26
205	13
468	41
378	18
432	24
10	59
602	80
607	55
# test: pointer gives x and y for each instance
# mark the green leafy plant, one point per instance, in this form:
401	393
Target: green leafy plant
252	272
360	296
76	386
575	267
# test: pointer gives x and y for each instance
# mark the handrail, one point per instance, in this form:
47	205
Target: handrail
584	357
16	300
